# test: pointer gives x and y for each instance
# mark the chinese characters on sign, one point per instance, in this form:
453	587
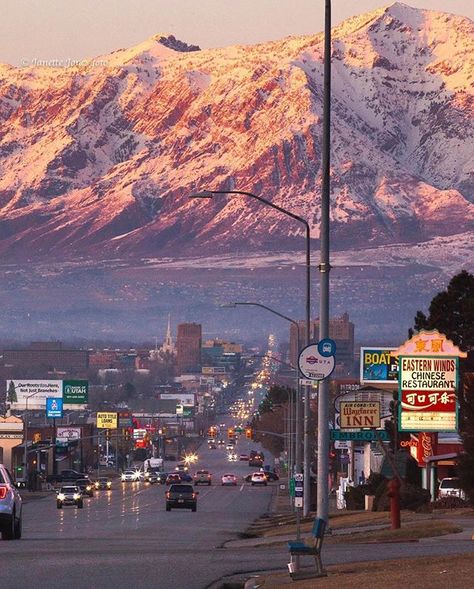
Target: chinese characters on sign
428	380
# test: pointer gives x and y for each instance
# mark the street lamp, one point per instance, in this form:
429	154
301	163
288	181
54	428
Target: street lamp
207	194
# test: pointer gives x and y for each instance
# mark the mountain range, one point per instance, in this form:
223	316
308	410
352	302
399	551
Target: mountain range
98	235
98	159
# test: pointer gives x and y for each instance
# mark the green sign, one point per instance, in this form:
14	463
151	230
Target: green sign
75	392
292	487
361	436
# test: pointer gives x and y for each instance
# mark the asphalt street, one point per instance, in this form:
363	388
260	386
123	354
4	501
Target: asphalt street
124	537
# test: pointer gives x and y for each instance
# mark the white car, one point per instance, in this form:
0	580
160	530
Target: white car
10	507
450	487
130	476
231	457
229	479
258	478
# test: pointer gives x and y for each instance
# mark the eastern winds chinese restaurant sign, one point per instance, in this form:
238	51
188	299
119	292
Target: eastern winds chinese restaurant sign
428	381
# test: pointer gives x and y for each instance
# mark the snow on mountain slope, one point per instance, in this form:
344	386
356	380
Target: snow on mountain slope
102	157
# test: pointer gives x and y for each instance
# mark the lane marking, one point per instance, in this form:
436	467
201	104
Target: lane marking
242	487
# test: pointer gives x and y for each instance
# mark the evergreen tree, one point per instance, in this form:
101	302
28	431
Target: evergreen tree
11	393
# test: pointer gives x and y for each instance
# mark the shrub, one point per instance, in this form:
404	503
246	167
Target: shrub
449	503
411	497
355	497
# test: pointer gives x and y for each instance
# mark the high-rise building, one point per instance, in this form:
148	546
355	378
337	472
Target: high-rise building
341	330
188	347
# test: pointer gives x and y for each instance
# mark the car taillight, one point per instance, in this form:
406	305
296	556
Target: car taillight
168	495
3	492
194	495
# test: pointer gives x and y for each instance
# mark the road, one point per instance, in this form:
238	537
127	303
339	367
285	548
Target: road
125	537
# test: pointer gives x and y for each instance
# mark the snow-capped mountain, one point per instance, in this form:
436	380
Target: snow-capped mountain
100	158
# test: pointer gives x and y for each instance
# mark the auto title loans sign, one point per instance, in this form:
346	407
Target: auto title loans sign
428	380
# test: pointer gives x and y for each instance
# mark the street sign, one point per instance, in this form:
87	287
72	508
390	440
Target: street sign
307	382
292	487
299	478
327	347
54	407
362	436
314	365
298	501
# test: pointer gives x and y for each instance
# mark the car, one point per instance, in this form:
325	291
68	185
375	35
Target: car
86	487
185	477
181	496
450	487
271	476
232	457
212	447
229	479
130	476
69	495
221	442
258	478
103	483
10	507
202	477
230	446
72	475
181	467
244	457
162	476
173	478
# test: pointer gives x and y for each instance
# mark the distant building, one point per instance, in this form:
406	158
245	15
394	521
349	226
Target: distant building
188	347
168	345
48	356
341	330
216	353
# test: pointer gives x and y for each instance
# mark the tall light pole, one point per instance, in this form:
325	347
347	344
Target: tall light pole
324	269
207	194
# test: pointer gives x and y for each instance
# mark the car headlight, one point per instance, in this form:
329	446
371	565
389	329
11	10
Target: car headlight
61	496
96	485
109	484
88	488
76	496
123	477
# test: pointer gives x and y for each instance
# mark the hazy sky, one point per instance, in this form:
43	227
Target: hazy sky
75	29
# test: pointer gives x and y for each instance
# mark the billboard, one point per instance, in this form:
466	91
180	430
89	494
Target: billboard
67	434
36	391
360	415
106	420
378	365
427	393
185	399
33	393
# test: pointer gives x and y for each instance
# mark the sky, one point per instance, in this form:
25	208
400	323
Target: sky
72	30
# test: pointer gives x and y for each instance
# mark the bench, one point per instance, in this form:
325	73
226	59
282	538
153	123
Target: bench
298	548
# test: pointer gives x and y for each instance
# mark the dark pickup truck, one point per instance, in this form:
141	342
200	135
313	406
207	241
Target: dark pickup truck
181	496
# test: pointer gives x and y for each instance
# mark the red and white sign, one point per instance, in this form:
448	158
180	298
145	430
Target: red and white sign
424	447
313	365
427	383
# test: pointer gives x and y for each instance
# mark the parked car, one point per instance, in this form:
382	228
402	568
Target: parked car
202	477
182	496
69	495
450	487
229	479
10	507
271	476
244	457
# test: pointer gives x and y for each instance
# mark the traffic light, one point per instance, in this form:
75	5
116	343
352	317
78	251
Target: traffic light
127	435
248	433
231	433
107	435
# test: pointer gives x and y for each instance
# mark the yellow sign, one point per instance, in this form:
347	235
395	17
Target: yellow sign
106	420
354	414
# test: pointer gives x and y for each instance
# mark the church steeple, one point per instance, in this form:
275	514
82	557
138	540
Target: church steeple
168	345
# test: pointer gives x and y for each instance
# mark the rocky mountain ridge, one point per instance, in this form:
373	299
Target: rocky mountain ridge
99	160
